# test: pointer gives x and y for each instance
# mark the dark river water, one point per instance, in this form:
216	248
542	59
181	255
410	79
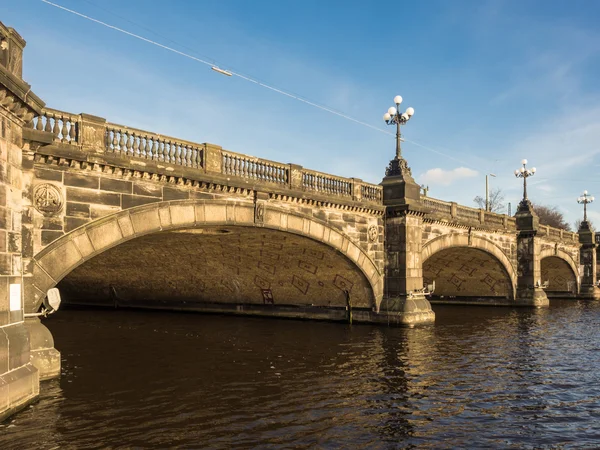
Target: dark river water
481	377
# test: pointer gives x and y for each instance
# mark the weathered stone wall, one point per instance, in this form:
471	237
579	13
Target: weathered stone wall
363	225
19	380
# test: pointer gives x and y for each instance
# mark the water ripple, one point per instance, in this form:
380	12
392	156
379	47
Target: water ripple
479	378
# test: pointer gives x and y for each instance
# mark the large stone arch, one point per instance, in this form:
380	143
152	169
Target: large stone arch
457	240
564	256
68	252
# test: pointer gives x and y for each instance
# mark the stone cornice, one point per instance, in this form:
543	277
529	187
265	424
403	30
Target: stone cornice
17	98
152	171
466	225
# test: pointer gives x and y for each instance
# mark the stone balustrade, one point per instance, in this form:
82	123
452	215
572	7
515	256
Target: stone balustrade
65	126
326	184
453	211
467	214
438	206
91	133
254	168
130	142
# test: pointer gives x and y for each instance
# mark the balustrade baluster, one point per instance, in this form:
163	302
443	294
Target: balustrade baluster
185	155
154	148
56	128
39	125
49	128
179	153
63	130
171	152
166	153
163	150
128	144
115	142
122	147
136	144
143	146
72	131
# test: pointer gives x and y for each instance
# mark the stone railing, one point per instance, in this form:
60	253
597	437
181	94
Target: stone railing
130	142
559	234
371	192
436	205
454	211
96	135
65	126
253	168
494	219
466	213
326	184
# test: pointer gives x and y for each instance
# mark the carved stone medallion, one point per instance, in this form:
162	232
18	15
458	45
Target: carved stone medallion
259	212
47	199
372	233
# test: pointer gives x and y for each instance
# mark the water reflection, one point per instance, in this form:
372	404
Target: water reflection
480	377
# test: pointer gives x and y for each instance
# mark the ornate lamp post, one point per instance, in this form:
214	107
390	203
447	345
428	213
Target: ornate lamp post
585	199
524	173
394	117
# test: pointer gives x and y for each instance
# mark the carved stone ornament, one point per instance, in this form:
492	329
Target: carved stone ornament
47	199
259	212
372	233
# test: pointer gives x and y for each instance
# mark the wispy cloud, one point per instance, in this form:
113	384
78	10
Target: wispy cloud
447	177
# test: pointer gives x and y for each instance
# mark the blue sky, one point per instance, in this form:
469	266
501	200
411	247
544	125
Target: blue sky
491	82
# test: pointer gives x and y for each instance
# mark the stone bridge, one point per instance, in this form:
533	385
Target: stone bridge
118	216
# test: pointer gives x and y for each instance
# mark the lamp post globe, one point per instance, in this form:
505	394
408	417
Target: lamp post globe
393	116
524	172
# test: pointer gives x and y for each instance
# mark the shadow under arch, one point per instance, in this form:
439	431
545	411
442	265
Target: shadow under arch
565	258
456	241
62	256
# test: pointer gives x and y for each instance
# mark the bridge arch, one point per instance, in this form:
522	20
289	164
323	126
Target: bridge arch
568	263
65	254
459	240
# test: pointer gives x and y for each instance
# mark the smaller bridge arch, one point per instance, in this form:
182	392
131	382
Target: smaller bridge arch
567	268
480	243
61	257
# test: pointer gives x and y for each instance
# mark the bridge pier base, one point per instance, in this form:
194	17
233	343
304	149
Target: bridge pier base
535	297
42	354
588	260
529	271
589	293
405	311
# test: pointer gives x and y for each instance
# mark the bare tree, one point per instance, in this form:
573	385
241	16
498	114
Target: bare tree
495	201
550	215
578	224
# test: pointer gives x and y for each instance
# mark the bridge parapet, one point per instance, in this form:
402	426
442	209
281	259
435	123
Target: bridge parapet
452	211
94	135
559	234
